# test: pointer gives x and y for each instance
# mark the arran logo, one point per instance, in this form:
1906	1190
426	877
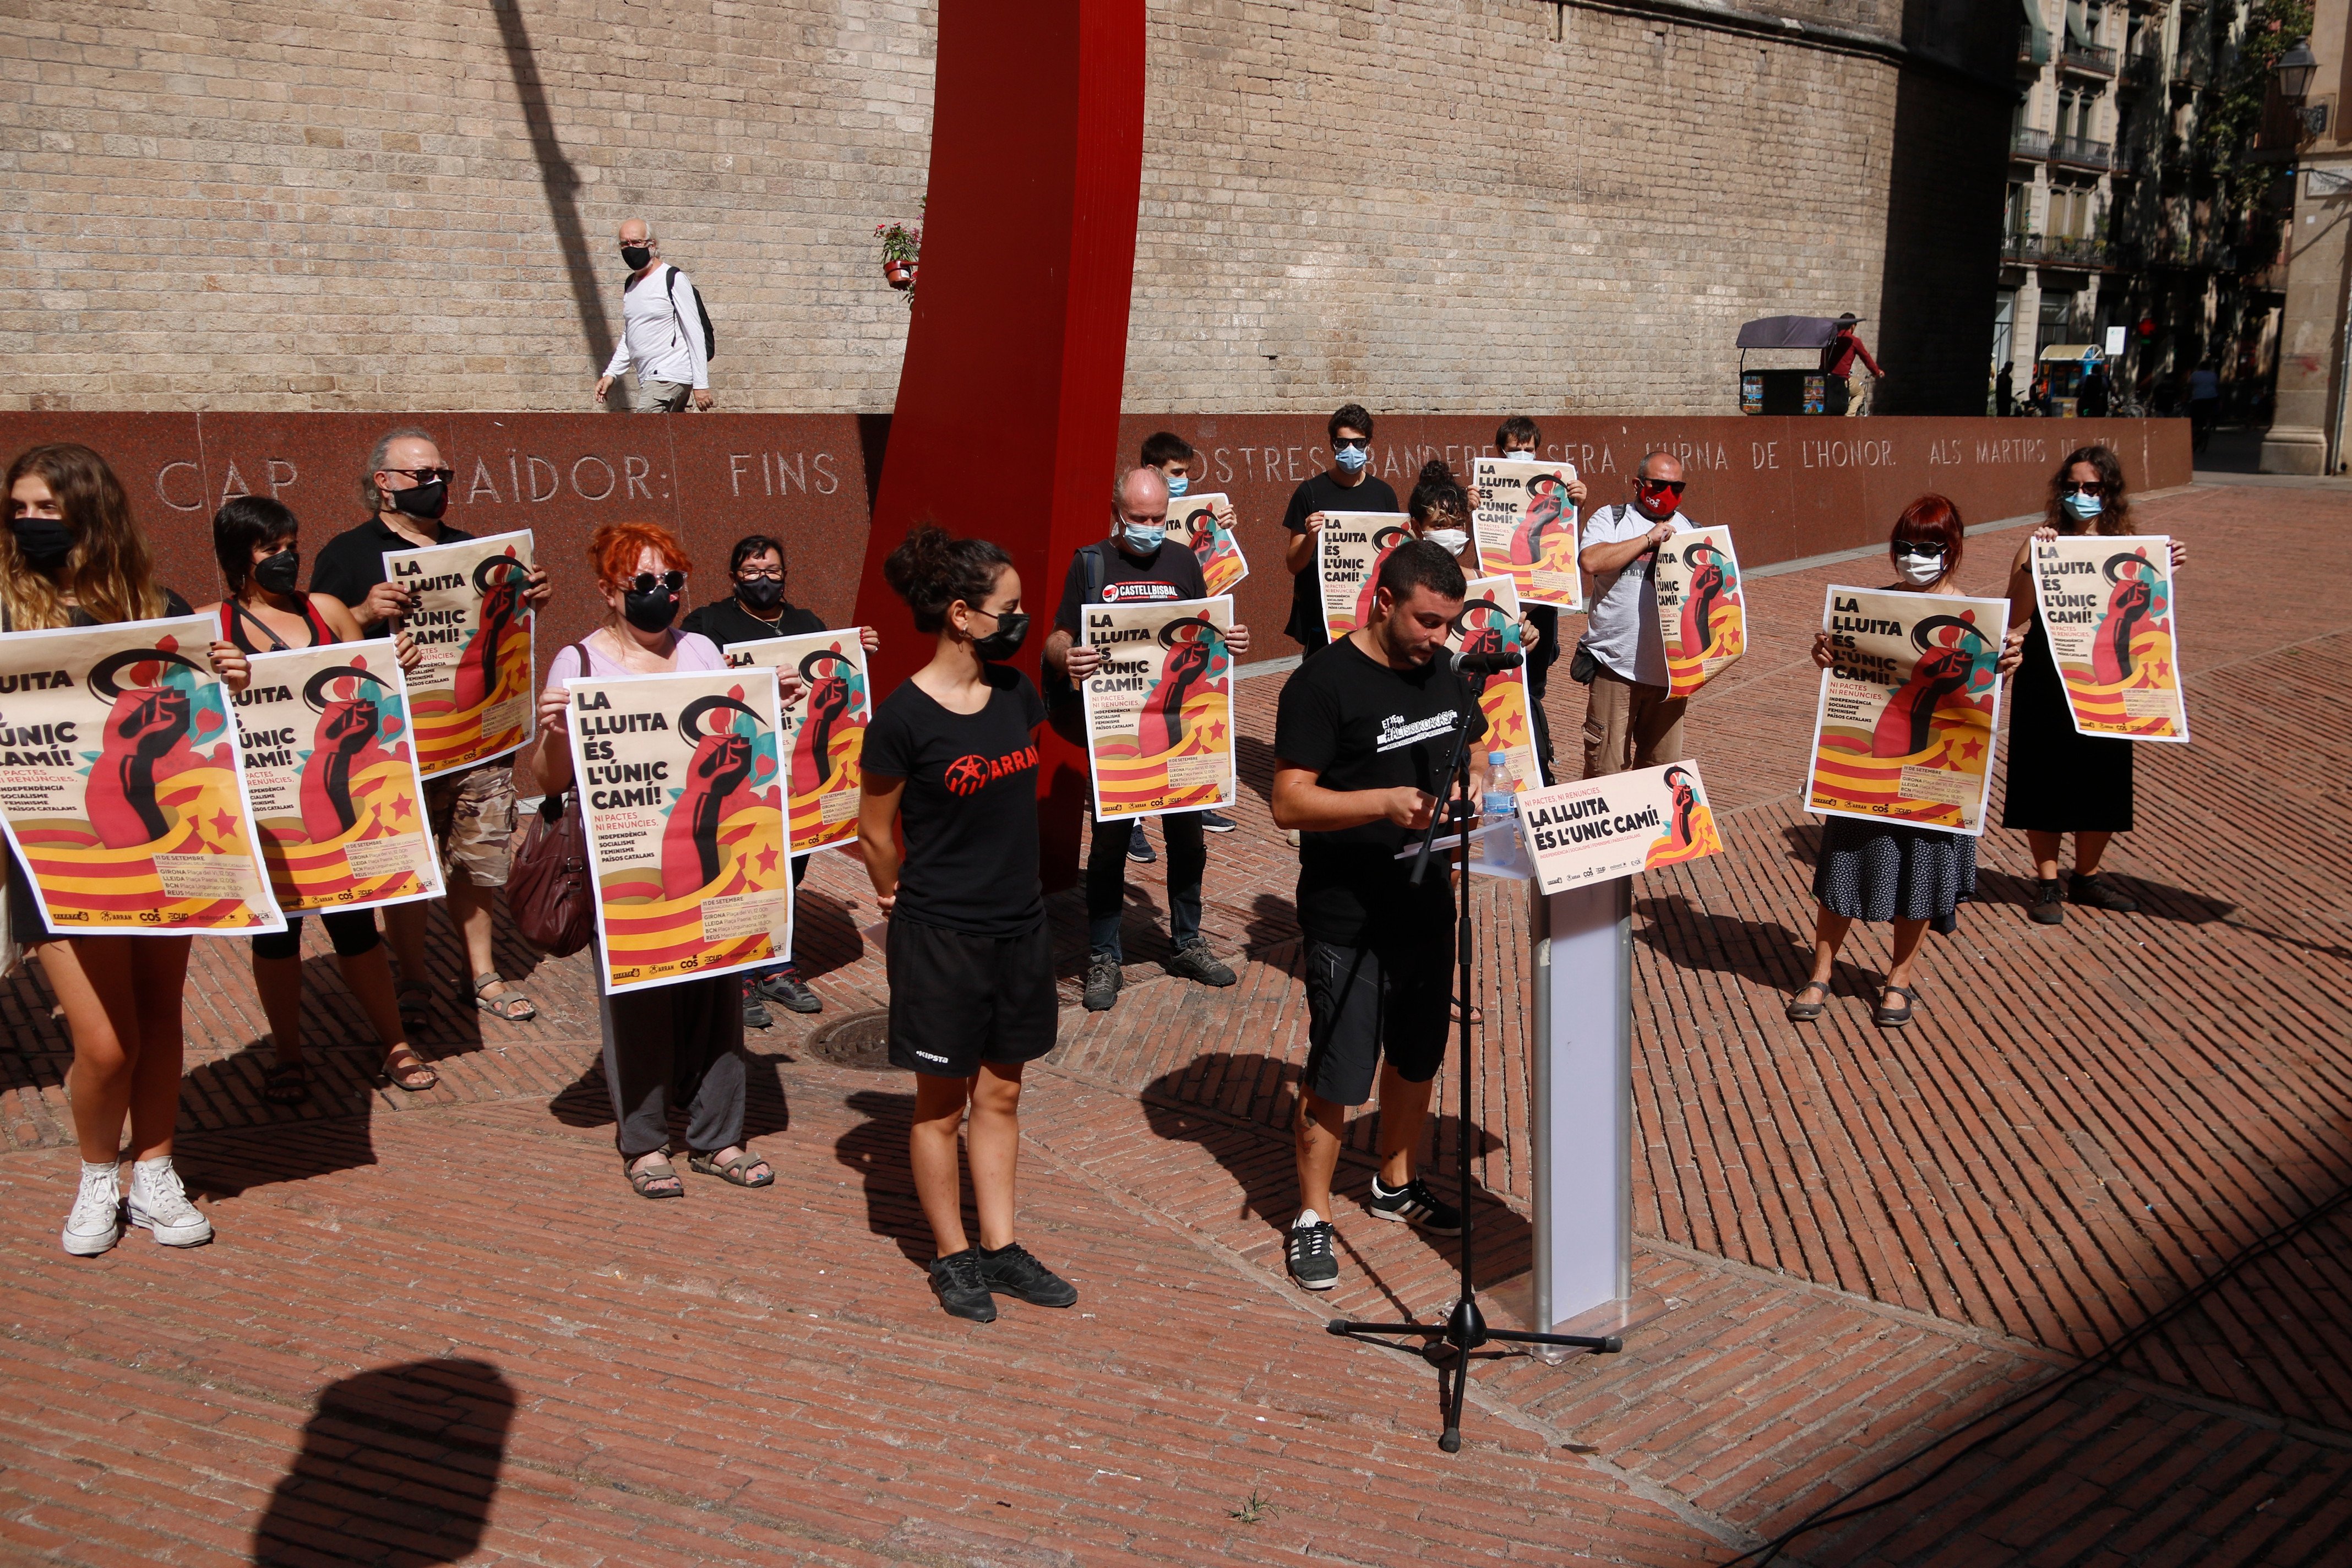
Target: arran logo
973	773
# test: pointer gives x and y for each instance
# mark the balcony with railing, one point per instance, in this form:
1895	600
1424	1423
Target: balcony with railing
2018	245
2021	248
2028	144
2080	151
2124	161
2087	59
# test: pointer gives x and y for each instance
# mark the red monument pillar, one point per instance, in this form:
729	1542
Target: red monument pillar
1018	347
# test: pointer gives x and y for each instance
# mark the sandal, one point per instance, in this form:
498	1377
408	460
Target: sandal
286	1083
514	1006
416	1004
1802	1012
1887	1018
640	1181
408	1077
735	1171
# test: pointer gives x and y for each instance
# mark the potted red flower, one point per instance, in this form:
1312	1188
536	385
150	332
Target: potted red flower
901	247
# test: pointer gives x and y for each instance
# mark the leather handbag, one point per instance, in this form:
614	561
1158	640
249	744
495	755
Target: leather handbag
549	892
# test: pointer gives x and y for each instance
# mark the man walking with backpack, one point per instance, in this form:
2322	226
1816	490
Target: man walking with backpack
665	333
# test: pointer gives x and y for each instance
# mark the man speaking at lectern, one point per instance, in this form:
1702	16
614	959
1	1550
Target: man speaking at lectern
1360	740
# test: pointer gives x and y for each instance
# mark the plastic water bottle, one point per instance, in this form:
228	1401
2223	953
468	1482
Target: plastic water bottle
1501	801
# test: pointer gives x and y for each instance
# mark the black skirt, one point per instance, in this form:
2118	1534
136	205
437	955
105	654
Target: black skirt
1891	871
2060	780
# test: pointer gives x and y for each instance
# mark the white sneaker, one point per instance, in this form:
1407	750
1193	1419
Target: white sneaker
96	1223
161	1203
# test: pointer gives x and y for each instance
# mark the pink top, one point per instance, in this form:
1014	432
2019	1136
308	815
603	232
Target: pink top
695	652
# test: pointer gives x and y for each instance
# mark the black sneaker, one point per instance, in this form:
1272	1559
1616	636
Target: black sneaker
1102	981
1309	1257
961	1288
2048	908
1011	1271
1414	1204
755	1013
1139	847
1193	961
2098	893
787	989
1215	822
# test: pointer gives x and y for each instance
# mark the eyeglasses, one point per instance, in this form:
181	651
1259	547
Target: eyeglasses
1360	443
644	582
1671	487
2091	488
754	573
425	475
1926	549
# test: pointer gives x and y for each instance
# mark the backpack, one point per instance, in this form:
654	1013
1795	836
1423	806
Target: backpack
669	285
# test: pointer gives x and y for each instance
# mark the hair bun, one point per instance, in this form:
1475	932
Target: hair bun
1435	472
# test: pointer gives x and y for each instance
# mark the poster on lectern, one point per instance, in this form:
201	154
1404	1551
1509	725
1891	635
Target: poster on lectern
824	728
472	697
1701	616
2106	606
1347	555
1904	729
1159	708
121	788
1525	529
1205	523
680	779
1591	831
330	769
1491	623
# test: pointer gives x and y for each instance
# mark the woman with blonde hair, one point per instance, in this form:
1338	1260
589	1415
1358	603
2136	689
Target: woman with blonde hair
682	1041
72	556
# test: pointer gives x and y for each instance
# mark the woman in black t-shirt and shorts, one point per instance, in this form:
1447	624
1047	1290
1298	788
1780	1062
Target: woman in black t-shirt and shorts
951	761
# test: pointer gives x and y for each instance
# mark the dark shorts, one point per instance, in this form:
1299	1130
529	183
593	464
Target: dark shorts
956	1001
1361	1003
352	931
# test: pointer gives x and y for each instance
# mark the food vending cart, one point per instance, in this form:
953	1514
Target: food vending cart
1802	389
2068	364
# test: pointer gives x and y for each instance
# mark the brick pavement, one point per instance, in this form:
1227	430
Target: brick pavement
1867	1240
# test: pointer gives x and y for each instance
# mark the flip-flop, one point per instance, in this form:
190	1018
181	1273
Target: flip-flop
514	1006
734	1170
402	1078
640	1181
286	1083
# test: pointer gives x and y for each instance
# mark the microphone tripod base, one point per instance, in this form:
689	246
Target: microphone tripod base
1448	1346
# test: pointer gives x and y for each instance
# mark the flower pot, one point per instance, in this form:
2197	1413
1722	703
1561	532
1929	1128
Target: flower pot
899	274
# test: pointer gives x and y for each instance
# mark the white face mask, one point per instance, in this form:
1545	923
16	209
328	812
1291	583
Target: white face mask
1918	570
1452	539
1519	455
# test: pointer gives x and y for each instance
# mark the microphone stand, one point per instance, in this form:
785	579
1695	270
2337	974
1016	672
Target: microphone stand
1448	1344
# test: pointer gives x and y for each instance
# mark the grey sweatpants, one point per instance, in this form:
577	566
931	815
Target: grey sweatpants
684	1044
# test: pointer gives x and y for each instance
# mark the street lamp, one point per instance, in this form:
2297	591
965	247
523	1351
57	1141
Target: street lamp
2294	71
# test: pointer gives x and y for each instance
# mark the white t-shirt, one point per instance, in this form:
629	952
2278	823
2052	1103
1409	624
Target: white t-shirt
661	330
1622	630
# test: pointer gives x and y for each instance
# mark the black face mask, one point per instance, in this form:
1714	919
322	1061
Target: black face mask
761	593
637	255
1012	631
276	573
43	541
427	500
650	612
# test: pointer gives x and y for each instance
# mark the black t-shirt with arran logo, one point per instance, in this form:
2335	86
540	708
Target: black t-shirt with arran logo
969	810
1362	725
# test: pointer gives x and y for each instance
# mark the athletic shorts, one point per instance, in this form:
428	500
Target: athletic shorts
1361	1003
957	1000
473	818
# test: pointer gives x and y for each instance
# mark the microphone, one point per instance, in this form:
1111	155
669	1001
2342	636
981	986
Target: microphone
1486	663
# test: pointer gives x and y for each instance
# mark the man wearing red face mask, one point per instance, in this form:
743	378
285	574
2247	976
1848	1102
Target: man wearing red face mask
1630	721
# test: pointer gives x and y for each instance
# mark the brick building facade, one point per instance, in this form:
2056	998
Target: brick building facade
1433	205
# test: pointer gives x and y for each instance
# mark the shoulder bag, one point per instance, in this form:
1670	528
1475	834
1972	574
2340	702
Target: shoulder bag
549	893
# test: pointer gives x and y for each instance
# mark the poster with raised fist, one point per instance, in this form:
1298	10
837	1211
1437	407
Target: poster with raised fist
1701	616
1159	708
1904	729
1492	623
824	728
1347	555
1524	526
2107	608
1205	523
472	697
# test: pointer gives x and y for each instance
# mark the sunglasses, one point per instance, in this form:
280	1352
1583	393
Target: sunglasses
425	475
1919	547
1671	487
646	582
2082	487
1361	442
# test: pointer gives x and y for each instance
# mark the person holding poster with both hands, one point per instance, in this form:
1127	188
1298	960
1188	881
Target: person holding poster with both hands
686	1039
1893	870
72	557
952	762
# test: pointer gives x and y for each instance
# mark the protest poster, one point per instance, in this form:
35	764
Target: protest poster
1490	624
1700	614
1524	526
331	771
1159	708
680	779
472	697
1205	522
120	786
1347	554
1904	729
1590	830
2106	606
824	729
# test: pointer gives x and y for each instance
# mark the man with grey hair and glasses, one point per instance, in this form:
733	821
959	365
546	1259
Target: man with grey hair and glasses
664	334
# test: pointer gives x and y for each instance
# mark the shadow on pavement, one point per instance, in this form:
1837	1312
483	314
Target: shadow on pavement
398	1465
876	1150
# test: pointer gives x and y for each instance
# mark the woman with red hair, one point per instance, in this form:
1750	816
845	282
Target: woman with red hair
1915	877
686	1039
